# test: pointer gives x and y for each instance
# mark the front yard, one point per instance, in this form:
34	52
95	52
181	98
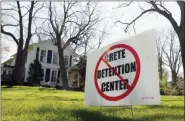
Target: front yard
32	104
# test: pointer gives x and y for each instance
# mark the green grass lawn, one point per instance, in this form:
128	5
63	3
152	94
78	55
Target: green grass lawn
32	104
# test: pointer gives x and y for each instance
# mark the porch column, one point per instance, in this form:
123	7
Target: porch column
50	76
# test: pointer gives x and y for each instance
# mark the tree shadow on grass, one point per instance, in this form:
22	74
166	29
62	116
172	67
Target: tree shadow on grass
64	114
7	86
170	107
86	115
173	100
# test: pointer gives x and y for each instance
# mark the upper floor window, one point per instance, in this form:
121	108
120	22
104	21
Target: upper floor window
4	71
55	58
9	72
66	60
43	56
49	58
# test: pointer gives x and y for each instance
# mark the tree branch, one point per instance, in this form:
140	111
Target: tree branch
29	34
9	34
50	18
167	15
182	6
133	21
21	41
64	19
10	25
125	4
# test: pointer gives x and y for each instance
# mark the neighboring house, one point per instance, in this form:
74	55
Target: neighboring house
47	54
75	77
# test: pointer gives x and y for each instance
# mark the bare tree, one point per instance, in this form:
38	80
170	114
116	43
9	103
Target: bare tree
160	8
172	55
74	24
4	49
21	17
89	46
160	55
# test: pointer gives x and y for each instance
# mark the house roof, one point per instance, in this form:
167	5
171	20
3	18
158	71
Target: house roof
73	68
40	42
9	66
10	59
34	44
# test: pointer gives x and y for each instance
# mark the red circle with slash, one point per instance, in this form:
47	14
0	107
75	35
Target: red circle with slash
130	87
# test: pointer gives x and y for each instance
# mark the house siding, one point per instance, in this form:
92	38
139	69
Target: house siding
32	55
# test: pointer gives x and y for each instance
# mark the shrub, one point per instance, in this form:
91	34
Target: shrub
176	89
180	87
8	83
35	73
7	80
162	91
82	85
28	84
171	92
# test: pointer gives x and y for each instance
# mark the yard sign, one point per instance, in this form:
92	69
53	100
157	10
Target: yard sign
123	73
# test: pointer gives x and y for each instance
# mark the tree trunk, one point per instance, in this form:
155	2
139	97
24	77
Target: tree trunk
21	56
160	68
63	71
182	45
174	76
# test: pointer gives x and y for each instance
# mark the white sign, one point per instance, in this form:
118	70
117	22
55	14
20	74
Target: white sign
124	73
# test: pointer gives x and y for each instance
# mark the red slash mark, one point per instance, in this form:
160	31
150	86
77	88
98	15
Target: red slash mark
114	71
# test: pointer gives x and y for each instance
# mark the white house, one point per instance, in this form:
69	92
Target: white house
47	54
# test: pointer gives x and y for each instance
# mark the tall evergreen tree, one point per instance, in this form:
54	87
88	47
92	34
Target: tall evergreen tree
35	73
82	66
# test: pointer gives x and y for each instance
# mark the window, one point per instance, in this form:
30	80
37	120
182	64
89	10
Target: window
66	60
53	76
55	58
4	71
9	72
42	73
47	76
43	56
74	84
49	56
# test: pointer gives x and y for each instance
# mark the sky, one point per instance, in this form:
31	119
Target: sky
115	31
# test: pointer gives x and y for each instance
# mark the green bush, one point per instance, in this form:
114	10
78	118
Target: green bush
35	73
163	85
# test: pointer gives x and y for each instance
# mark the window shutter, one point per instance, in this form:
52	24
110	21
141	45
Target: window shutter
66	60
70	62
58	78
37	53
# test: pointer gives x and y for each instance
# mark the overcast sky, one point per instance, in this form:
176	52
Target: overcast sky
115	32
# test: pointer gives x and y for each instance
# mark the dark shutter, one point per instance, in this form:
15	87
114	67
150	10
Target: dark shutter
42	74
58	78
4	71
24	72
37	53
47	76
49	56
70	62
